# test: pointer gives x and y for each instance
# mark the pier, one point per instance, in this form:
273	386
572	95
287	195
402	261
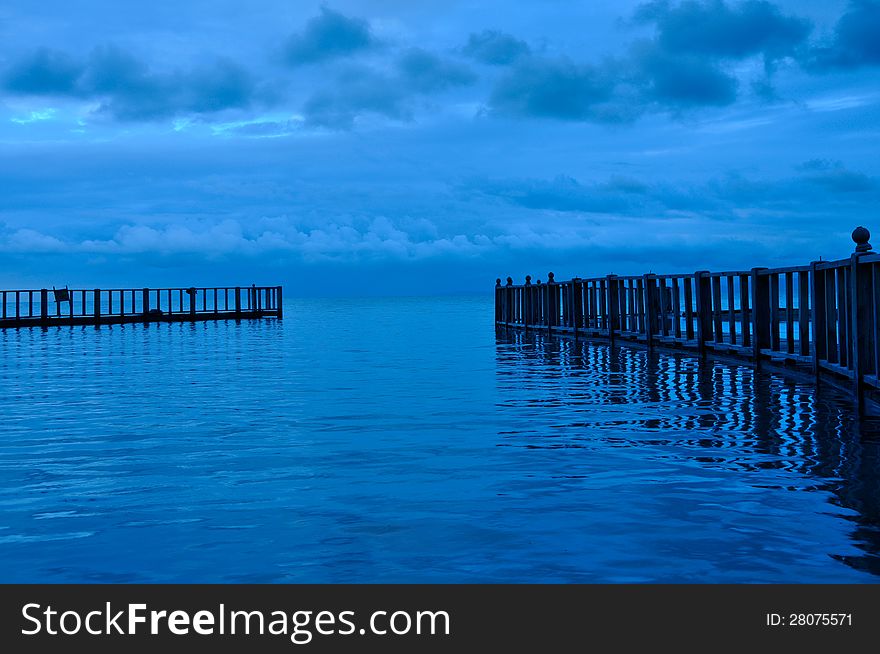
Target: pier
46	307
820	319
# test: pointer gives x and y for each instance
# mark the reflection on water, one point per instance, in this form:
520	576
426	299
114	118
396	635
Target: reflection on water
719	415
400	440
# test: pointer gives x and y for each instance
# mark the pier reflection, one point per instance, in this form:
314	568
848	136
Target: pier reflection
715	414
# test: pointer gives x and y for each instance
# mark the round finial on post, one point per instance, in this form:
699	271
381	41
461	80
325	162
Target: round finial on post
550	279
528	280
510	281
538	282
861	236
498	281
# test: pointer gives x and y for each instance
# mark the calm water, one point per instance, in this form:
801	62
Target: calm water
400	440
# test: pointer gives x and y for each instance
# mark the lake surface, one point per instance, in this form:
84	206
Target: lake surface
402	440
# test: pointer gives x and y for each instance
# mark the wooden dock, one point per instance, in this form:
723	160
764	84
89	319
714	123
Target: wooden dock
822	319
46	307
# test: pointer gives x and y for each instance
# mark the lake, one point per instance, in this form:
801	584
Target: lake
403	440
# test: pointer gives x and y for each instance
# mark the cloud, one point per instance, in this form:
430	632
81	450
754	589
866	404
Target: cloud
43	72
424	72
495	48
375	238
127	90
835	177
681	80
715	28
356	91
555	88
329	35
855	42
361	90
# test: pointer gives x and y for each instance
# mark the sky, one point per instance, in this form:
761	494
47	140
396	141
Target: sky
394	147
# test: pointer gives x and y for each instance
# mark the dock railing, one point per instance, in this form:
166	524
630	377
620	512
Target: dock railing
77	306
823	317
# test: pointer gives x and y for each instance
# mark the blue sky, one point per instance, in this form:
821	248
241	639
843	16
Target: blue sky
400	147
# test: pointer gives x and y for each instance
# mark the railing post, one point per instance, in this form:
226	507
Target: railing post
237	301
818	315
527	309
552	307
497	300
613	306
577	305
650	300
861	322
97	305
703	292
279	305
760	313
145	301
44	305
192	301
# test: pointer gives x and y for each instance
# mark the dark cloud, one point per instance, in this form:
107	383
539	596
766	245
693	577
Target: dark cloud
126	89
834	176
44	72
361	90
715	28
555	88
681	80
425	72
356	91
495	48
328	36
855	41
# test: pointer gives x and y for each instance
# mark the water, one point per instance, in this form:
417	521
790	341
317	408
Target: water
397	440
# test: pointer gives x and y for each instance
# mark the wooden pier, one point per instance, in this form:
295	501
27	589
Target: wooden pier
822	319
46	307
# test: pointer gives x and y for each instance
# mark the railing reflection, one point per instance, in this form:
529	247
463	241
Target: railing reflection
716	414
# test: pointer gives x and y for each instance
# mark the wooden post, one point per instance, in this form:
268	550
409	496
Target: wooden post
650	300
527	310
238	301
613	304
760	313
818	319
861	321
497	300
146	301
577	305
280	305
44	305
97	306
703	288
804	313
192	301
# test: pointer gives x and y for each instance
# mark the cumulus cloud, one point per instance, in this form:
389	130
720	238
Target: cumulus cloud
554	88
330	35
424	72
681	80
495	48
125	87
714	28
855	41
43	72
376	238
360	90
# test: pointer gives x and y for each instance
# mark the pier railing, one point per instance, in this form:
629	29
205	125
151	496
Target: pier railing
35	307
823	317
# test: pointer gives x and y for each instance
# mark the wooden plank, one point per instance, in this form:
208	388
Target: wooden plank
676	308
774	311
731	310
717	319
745	321
789	312
804	312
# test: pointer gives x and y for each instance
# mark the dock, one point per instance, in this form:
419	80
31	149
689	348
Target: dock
63	306
820	319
